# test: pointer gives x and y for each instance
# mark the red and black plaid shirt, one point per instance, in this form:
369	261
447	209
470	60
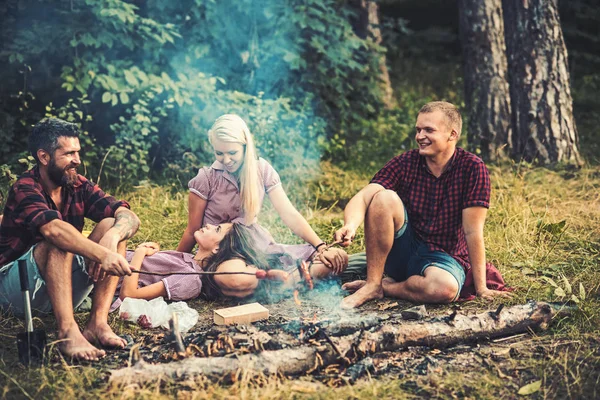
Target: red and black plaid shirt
29	207
434	205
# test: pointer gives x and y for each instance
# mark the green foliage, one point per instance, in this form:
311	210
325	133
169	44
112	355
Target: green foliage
380	138
7	178
135	134
73	111
154	77
341	69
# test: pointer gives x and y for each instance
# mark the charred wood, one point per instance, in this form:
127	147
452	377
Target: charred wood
305	358
279	362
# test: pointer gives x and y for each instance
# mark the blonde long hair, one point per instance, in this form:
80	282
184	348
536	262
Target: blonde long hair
232	129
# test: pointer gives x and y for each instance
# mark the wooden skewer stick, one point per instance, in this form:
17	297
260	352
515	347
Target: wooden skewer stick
258	273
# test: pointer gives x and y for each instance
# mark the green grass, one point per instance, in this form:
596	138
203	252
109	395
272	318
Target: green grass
541	256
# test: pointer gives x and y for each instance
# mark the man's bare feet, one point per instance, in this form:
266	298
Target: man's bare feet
354	285
101	334
73	344
386	283
369	291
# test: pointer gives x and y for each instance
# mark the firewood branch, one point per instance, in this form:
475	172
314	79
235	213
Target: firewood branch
435	333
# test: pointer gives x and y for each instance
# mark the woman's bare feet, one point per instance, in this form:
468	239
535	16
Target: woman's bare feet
101	334
368	291
73	344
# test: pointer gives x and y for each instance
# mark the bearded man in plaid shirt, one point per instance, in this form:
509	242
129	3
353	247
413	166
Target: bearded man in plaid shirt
41	226
424	213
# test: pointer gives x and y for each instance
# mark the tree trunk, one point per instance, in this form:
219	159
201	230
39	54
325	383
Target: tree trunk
487	95
544	129
367	26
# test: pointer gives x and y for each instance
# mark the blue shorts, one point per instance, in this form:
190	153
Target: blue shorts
410	256
11	297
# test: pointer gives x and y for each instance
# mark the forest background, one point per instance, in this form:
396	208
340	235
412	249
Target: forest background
146	79
330	89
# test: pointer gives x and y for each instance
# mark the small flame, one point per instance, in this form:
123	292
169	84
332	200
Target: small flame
296	298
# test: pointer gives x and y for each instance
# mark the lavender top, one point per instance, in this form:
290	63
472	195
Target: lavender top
224	204
178	287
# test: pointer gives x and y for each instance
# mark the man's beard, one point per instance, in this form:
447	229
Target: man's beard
60	177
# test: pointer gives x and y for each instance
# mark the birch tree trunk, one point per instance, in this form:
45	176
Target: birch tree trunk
544	129
487	94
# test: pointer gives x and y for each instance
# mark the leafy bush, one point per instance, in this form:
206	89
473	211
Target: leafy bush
155	75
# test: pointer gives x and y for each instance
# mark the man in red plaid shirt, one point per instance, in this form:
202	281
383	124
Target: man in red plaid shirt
424	214
42	224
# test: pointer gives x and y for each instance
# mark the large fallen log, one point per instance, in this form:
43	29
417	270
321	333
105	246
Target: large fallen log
456	328
436	332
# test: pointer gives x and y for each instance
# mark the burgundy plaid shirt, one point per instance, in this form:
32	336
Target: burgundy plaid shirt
434	205
29	207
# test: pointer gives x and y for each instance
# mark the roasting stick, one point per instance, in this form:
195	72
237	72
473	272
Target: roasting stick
327	247
260	274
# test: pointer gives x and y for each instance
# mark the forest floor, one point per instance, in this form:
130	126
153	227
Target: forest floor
542	232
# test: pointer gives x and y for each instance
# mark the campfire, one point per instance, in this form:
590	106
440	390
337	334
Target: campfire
322	340
335	345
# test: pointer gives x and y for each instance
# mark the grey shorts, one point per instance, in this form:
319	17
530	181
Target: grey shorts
11	297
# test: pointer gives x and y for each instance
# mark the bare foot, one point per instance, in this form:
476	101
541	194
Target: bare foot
73	344
386	283
369	291
354	285
101	334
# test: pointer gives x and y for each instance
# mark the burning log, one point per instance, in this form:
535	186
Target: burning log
435	332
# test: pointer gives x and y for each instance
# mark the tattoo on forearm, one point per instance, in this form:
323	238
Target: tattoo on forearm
126	224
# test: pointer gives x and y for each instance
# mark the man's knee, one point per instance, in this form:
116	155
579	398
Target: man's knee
441	287
388	202
45	253
386	198
101	228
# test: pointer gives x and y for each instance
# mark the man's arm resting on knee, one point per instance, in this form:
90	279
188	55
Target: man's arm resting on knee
126	224
64	236
473	220
355	211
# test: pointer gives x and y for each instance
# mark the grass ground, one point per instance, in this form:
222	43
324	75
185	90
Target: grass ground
542	232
